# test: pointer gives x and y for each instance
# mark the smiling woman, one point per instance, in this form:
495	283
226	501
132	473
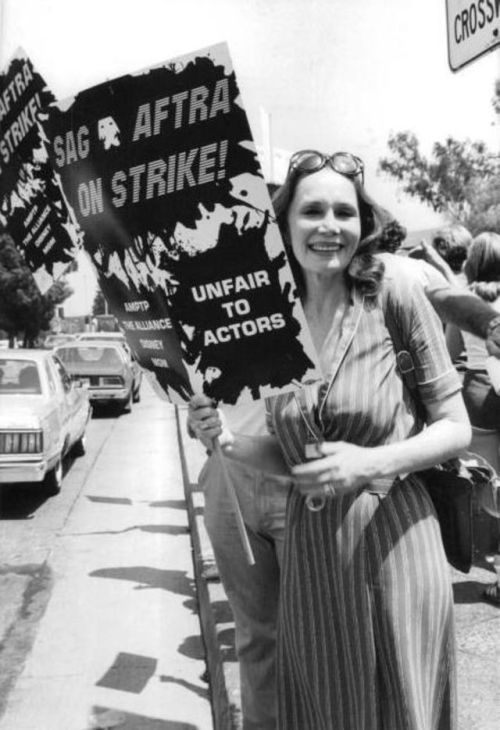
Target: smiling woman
324	224
322	197
361	534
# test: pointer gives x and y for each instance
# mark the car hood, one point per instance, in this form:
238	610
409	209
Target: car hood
22	411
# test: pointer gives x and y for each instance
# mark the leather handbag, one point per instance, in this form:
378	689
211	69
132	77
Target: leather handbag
488	496
450	488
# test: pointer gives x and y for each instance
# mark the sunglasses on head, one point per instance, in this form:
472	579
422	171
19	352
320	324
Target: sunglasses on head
344	163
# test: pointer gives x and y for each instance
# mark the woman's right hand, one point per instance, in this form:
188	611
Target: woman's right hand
204	421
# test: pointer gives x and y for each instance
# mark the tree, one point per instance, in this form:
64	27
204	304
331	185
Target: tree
458	180
485	207
99	305
23	309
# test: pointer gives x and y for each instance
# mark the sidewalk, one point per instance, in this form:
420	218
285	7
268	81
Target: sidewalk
119	644
478	623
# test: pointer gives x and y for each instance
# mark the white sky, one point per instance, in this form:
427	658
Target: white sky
333	74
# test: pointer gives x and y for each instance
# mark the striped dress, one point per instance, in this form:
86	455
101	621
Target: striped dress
365	636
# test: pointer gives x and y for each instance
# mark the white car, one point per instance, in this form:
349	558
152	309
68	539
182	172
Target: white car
52	341
43	416
108	336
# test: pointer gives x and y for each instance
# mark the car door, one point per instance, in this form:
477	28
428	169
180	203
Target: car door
72	401
59	426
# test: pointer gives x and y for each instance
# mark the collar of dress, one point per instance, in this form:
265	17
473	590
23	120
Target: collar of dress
306	397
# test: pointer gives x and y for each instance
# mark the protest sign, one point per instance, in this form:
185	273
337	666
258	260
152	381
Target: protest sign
32	205
162	175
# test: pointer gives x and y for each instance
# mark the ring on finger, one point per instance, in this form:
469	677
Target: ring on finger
329	490
315	504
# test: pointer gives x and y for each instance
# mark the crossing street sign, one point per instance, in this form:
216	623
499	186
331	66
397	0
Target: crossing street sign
473	29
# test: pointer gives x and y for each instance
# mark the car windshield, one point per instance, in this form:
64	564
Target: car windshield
53	340
107	356
19	376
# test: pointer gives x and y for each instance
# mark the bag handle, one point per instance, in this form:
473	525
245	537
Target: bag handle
406	367
404	360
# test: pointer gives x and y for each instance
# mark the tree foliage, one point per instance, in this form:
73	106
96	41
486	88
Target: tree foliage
458	179
99	304
23	309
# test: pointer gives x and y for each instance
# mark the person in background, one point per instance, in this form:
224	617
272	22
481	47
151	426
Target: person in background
452	244
392	234
482	270
252	590
354	650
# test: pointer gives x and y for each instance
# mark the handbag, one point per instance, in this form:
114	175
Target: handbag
450	485
488	496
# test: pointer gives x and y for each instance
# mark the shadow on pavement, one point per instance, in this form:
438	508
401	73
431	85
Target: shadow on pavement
222	612
226	641
193	648
173	530
203	693
105	718
470	591
171	503
110	411
109	500
175	581
19	501
129	673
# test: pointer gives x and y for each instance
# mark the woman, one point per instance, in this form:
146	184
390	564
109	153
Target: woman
365	629
482	270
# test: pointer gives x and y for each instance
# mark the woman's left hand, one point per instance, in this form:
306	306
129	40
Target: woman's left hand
343	466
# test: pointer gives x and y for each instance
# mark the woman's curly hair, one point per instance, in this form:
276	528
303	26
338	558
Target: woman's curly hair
482	266
365	272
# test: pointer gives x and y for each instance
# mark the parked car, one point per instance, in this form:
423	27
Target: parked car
52	341
120	338
43	416
105	368
109	336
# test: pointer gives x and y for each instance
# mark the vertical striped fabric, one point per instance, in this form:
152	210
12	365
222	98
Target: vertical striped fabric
366	625
366	622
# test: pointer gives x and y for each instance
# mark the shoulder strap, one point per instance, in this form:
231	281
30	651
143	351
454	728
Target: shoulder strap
404	360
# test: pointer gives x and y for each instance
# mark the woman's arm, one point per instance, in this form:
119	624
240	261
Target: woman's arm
348	466
207	423
454	341
204	420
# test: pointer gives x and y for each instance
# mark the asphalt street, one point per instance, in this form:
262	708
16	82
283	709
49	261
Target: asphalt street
99	622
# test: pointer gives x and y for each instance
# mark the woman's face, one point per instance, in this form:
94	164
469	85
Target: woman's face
324	223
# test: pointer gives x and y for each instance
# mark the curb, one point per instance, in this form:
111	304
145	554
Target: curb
216	619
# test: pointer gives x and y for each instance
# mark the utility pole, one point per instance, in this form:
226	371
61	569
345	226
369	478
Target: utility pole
268	152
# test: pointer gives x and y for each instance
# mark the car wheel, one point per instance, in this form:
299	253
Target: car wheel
53	479
127	405
80	446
